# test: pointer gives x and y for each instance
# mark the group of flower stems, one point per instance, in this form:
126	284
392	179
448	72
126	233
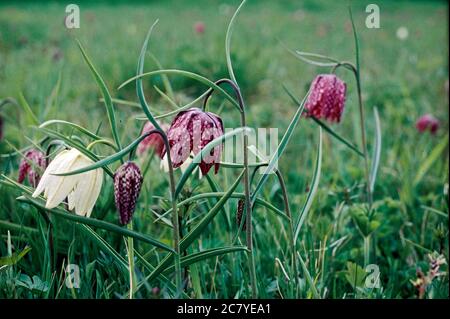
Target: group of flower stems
193	138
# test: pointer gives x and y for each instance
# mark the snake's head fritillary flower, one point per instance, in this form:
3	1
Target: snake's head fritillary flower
81	190
127	185
427	122
199	27
326	98
191	131
154	140
30	166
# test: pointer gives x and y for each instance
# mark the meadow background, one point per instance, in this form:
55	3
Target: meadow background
39	60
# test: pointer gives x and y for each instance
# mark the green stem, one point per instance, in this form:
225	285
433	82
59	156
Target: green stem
175	221
130	247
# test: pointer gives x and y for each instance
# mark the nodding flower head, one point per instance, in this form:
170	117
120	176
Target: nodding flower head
154	141
191	131
31	166
427	122
127	185
326	98
81	190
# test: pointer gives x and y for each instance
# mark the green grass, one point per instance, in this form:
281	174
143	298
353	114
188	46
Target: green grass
404	79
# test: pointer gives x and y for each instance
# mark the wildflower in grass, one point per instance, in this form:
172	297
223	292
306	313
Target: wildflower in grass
422	282
326	98
154	141
127	185
427	122
199	27
191	131
81	190
30	166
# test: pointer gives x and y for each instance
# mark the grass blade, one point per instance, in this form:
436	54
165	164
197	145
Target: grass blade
209	253
377	150
39	203
228	42
280	149
312	191
434	155
106	96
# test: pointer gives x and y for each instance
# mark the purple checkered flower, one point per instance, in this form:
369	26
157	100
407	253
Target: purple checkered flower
127	185
191	131
327	98
427	122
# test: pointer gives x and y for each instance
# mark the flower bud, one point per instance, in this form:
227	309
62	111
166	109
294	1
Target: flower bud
127	185
326	98
30	167
239	213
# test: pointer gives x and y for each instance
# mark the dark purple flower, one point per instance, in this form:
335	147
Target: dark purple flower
127	185
191	131
30	166
427	122
326	98
153	140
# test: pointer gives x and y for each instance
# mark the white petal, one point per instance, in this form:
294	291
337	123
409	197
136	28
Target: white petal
51	167
60	186
95	192
71	200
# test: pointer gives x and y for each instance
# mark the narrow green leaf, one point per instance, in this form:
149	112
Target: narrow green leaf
205	151
28	111
280	149
376	151
312	191
40	203
194	233
308	277
191	75
434	155
228	42
70	142
107	160
106	96
138	78
76	126
14	258
206	254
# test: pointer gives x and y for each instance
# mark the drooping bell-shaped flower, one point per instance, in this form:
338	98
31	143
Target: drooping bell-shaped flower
81	190
191	131
326	98
427	122
127	185
154	141
30	167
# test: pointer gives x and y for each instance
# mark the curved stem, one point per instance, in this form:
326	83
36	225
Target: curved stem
103	141
248	205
